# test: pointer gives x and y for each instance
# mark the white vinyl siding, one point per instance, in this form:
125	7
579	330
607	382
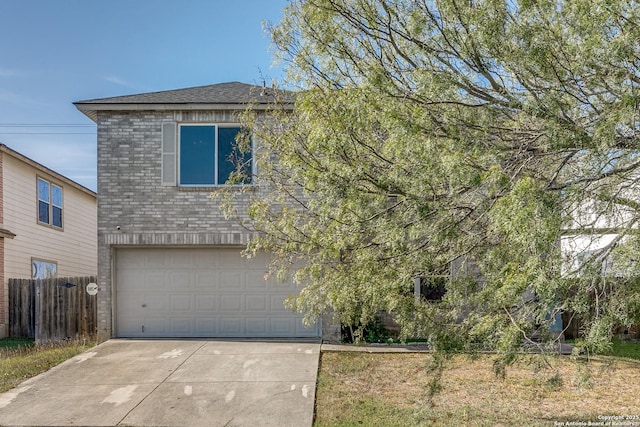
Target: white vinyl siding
74	251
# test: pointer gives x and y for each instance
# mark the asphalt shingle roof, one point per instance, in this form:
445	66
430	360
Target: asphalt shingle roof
231	94
221	93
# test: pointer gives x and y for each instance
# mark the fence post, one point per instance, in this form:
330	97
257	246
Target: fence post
30	286
38	314
14	296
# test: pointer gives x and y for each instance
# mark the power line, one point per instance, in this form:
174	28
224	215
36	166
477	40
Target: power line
47	133
43	125
25	128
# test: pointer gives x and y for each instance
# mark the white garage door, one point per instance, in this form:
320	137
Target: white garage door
201	293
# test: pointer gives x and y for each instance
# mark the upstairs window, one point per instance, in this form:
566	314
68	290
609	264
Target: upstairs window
209	155
49	203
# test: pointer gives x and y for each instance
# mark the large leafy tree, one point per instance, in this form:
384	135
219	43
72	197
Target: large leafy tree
494	141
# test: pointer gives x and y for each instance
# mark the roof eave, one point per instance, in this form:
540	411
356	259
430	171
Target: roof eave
42	168
91	109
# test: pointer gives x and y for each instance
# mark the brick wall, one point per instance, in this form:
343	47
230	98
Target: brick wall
129	167
135	209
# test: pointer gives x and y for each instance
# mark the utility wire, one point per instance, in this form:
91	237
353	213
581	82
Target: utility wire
47	133
27	126
43	125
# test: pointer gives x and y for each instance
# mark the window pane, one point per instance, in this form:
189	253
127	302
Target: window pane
230	157
57	217
43	190
433	288
56	195
43	269
43	212
197	154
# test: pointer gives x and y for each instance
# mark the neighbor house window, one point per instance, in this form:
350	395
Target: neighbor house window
209	155
41	269
433	288
49	203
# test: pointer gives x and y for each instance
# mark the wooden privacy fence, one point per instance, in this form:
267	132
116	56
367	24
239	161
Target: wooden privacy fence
52	309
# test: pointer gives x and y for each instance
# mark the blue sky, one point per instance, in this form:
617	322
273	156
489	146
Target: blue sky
53	53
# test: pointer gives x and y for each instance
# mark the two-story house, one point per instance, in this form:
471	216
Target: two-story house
170	264
47	225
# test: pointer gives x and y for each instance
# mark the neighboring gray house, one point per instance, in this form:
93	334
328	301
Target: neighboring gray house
169	263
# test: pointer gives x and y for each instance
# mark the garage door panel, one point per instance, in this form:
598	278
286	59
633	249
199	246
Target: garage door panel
132	263
154	327
206	281
129	325
255	280
257	303
204	327
144	281
231	258
135	277
154	260
231	326
282	325
300	328
181	326
231	303
155	302
175	282
206	304
277	304
231	280
182	303
201	292
131	304
182	260
283	286
256	326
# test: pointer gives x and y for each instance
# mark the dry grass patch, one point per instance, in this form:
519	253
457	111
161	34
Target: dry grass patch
21	360
393	390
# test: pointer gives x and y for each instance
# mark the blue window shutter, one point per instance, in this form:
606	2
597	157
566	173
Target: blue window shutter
169	153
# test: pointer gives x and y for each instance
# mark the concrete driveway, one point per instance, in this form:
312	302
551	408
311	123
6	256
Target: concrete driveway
172	383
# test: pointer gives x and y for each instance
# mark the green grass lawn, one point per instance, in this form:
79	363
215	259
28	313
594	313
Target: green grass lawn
628	349
21	359
15	343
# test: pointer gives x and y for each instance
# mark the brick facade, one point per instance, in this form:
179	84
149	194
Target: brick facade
135	209
129	168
